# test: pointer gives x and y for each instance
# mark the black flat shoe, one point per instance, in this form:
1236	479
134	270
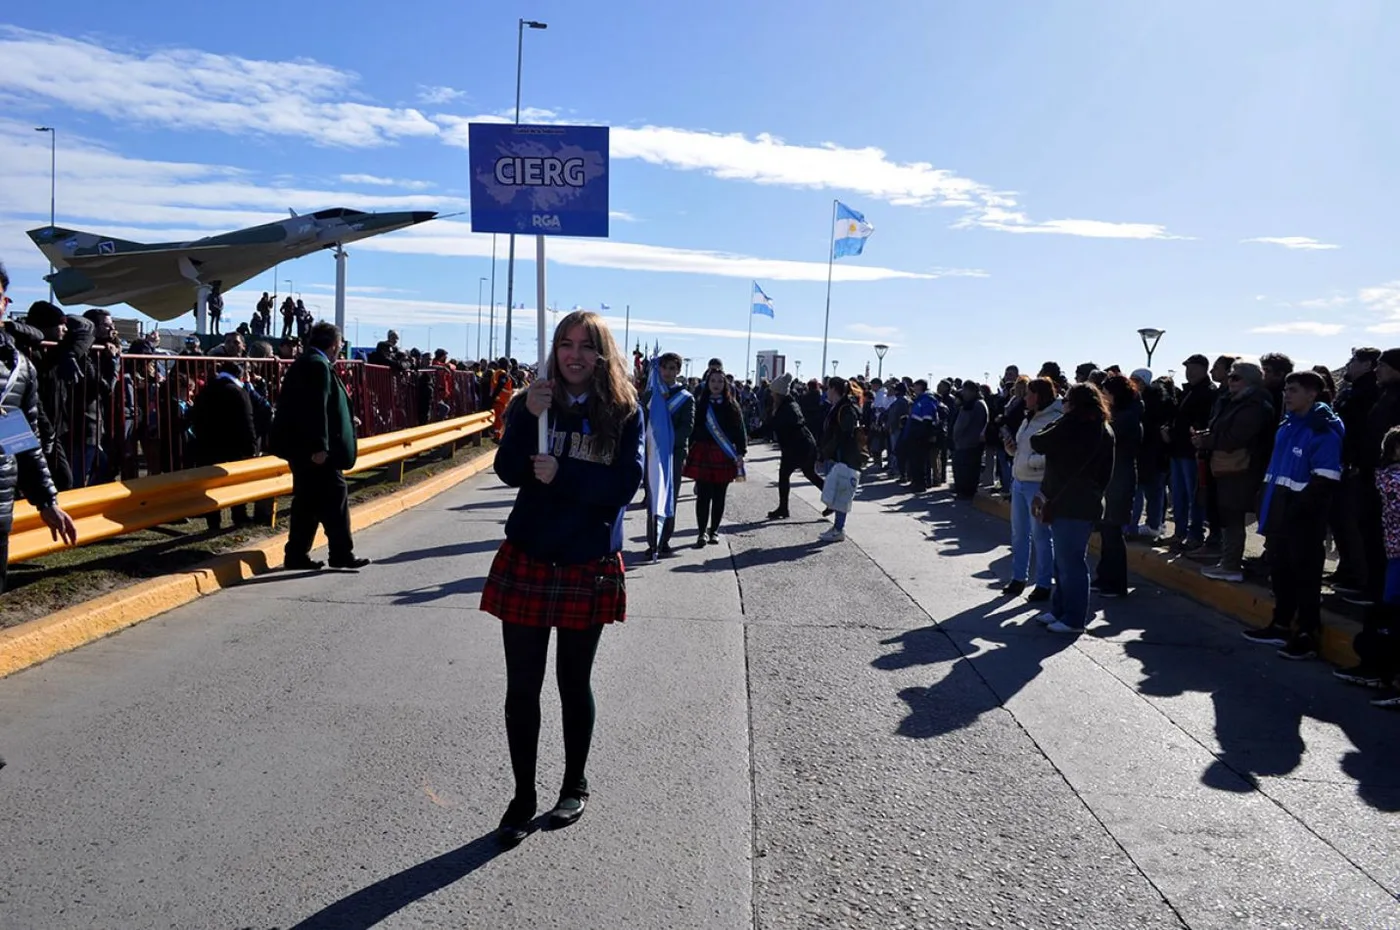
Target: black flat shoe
713	539
666	551
700	543
351	563
648	555
303	564
778	514
515	825
1038	595
1013	588
567	811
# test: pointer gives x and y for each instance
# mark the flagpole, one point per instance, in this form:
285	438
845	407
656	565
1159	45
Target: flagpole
830	258
627	328
748	346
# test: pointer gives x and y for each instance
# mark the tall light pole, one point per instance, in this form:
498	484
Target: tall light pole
880	350
480	282
290	289
1150	338
687	368
834	363
53	185
798	365
510	261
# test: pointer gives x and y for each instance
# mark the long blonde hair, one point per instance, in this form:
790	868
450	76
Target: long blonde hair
612	398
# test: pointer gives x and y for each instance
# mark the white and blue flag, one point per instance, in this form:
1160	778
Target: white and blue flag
851	232
604	307
661	444
762	303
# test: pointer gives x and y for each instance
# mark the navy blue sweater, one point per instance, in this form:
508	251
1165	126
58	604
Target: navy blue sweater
577	517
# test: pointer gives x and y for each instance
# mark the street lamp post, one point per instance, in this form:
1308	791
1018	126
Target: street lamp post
797	364
480	282
1150	338
834	363
880	350
290	289
687	367
53	185
510	261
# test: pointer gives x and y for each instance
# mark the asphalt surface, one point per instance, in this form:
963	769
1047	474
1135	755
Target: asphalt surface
790	735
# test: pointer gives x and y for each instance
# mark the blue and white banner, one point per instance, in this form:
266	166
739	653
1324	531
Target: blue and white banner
851	232
661	444
540	180
762	303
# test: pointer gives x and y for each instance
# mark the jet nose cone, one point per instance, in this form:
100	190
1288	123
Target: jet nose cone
422	216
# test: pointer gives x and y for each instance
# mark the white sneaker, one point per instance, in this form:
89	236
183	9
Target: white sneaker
1216	573
1059	626
833	535
1045	617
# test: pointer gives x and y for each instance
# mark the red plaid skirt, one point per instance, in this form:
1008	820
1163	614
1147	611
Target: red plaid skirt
707	462
527	591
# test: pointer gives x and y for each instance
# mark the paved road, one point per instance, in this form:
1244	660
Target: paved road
791	736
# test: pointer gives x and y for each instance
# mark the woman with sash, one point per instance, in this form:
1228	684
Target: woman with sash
717	447
560	566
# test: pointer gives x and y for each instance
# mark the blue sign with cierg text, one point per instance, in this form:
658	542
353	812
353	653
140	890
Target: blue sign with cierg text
539	180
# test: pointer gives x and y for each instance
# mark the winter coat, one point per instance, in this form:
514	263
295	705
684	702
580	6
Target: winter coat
813	412
1354	405
1127	443
224	428
1157	410
1193	410
27	471
839	435
313	414
731	423
1029	465
577	517
1244	422
1384	414
970	428
789	430
1303	471
1388	484
1078	466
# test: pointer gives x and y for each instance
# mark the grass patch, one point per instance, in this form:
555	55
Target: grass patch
73	576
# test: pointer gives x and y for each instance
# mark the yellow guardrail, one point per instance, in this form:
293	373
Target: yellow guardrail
112	509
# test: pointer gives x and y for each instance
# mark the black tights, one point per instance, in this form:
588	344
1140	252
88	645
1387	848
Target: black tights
804	463
527	648
709	504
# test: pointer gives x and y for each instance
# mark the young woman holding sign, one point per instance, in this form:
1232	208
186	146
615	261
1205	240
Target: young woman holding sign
561	564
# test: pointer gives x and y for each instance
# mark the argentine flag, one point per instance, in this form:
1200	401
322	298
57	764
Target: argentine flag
762	303
851	232
603	306
661	444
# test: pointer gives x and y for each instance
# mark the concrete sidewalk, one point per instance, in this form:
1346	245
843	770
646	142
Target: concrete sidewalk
790	735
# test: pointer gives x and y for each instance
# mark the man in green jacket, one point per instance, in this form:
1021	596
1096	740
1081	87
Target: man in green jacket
314	431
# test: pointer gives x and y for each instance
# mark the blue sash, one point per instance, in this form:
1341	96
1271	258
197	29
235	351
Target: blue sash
677	400
717	434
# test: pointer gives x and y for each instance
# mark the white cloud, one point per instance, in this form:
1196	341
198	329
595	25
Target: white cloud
376	181
1325	303
188	88
361	289
1385	329
623	216
1383	298
1294	242
1301	328
873	332
448	237
437	95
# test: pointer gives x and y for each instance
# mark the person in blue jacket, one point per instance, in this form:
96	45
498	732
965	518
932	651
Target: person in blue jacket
560	566
924	416
1305	469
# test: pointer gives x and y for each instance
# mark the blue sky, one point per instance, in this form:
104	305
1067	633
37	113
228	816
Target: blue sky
1043	179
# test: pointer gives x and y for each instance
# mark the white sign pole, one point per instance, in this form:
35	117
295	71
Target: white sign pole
544	340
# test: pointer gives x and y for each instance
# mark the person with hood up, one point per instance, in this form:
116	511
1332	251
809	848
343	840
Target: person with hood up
1027	472
1304	470
796	444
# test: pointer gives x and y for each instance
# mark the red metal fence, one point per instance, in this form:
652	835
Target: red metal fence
130	416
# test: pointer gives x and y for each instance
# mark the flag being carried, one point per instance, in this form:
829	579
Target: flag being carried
661	442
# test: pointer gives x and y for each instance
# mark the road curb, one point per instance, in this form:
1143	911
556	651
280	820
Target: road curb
37	641
1247	602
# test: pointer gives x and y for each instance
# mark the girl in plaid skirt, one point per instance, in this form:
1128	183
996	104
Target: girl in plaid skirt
717	447
561	565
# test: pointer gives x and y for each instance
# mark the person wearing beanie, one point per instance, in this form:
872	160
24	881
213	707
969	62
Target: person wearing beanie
1143	377
796	444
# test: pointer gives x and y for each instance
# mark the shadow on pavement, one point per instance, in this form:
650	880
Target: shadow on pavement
436	592
441	552
374	903
969	690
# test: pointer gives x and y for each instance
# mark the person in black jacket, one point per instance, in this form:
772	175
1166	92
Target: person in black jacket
561	562
1357	397
23	469
1192	413
224	428
61	368
313	430
1078	450
796	444
716	458
1126	421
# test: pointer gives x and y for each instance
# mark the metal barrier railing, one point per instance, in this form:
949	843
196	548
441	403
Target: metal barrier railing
113	508
130	416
